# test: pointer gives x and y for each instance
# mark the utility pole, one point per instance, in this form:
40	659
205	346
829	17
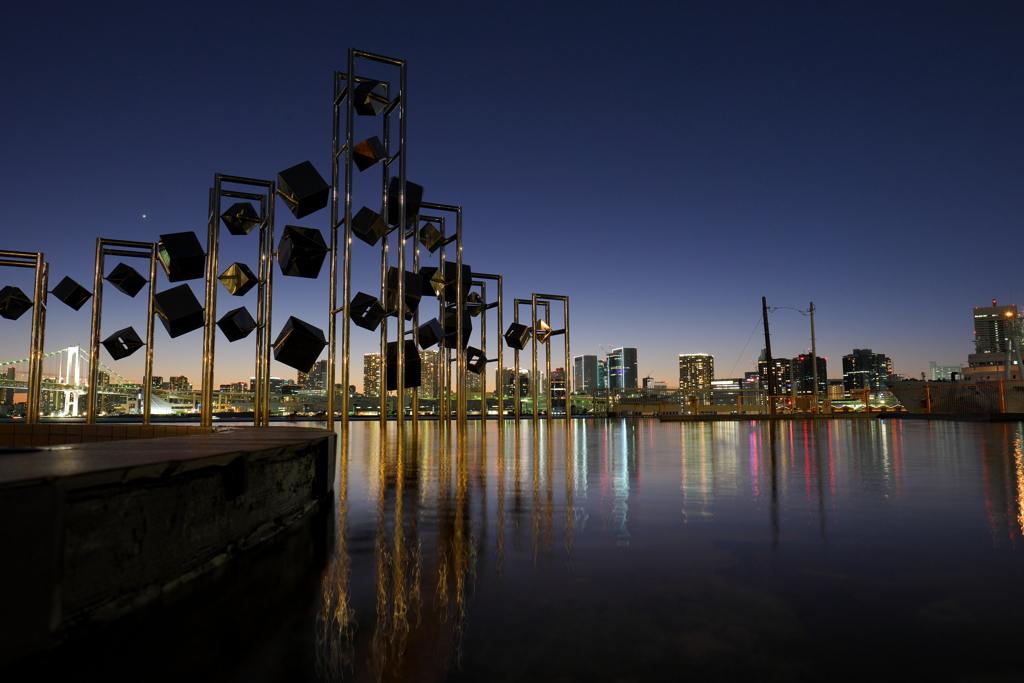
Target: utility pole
768	358
814	360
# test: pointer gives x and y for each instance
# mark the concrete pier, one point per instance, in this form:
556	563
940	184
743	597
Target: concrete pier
124	514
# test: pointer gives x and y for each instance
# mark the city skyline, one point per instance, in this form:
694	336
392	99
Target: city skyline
846	156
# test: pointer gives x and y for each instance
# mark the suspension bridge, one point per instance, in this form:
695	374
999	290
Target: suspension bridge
65	381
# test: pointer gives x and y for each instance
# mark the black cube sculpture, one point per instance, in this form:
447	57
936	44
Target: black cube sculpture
301	251
369	98
366	311
517	336
367	153
126	279
182	256
413	200
451	281
71	293
13	303
474	304
475	361
241	218
430	333
451	329
413	287
299	344
179	310
432	280
412	373
303	188
123	343
237	324
430	237
368	226
238	279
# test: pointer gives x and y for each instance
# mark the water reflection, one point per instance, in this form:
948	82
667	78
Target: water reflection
778	545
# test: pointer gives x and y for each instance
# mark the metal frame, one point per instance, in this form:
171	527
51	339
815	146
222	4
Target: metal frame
480	279
265	275
341	181
537	299
129	249
34	260
444	357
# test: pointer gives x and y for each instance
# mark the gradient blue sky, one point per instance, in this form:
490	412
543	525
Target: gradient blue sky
664	164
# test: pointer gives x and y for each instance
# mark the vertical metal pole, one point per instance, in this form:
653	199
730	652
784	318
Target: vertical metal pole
501	361
264	297
768	358
147	390
402	245
35	379
814	360
533	380
460	350
94	339
206	412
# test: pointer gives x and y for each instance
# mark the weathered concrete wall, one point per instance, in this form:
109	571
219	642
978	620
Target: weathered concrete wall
92	531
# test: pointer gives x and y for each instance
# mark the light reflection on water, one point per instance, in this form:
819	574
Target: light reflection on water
636	550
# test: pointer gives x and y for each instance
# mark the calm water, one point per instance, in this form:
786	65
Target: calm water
623	550
638	551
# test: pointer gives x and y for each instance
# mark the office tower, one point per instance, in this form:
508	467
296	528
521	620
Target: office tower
782	370
864	369
992	327
430	377
156	381
622	373
696	371
302	378
602	375
803	375
371	374
507	383
584	375
180	383
558	388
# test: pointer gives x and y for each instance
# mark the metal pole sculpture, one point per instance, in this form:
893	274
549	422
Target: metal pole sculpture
547	334
368	97
483	306
14	304
240	219
124	342
455	289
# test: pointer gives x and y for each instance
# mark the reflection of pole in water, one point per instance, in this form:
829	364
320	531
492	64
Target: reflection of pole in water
500	550
535	516
336	624
773	454
549	517
570	509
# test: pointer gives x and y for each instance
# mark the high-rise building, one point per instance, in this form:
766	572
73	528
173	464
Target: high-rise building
371	374
992	326
803	375
430	378
180	383
602	374
864	369
696	371
584	375
9	393
157	381
622	372
782	370
557	387
507	383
